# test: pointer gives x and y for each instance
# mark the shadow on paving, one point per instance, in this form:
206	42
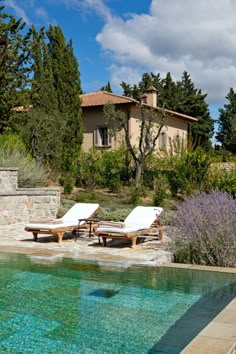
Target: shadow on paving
194	320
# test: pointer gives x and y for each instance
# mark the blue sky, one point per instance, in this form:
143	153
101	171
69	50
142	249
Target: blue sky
119	40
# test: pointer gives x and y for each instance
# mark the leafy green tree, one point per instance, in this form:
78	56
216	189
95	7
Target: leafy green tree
14	57
227	123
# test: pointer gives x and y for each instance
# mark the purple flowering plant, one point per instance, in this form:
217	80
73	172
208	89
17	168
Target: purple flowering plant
204	230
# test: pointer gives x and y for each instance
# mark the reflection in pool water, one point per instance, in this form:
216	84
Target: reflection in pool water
73	307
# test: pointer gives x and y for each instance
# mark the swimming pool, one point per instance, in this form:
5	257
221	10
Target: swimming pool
74	307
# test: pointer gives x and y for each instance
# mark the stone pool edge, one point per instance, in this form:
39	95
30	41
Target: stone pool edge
218	336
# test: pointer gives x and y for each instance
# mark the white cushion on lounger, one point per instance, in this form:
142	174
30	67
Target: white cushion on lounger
143	215
70	219
52	226
80	211
140	218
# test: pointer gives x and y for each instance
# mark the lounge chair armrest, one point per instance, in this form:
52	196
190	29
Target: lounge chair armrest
111	224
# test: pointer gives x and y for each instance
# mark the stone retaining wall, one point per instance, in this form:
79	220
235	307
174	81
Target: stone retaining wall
20	205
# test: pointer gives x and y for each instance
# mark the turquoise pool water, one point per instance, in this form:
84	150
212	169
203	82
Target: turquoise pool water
73	307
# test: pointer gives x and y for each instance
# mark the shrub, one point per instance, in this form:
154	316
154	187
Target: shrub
68	184
187	172
221	179
112	214
89	169
136	195
153	167
14	154
161	190
104	169
222	155
204	230
112	165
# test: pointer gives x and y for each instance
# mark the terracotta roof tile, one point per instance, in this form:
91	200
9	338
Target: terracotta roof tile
100	98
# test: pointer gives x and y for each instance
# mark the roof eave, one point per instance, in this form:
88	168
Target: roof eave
179	115
102	104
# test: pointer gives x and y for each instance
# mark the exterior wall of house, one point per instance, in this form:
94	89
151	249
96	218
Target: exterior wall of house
93	117
134	125
174	127
21	205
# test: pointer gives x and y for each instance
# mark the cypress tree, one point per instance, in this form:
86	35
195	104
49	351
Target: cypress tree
107	87
137	90
192	102
127	89
150	80
168	95
227	123
44	128
66	78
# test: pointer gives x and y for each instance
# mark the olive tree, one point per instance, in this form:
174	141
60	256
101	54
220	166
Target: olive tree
151	123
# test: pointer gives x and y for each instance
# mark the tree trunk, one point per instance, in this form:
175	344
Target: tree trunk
138	173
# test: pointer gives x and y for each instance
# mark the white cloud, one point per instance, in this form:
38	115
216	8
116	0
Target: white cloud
197	36
123	73
18	10
25	9
41	13
97	6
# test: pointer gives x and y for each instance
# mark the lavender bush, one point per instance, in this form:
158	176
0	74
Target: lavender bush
204	230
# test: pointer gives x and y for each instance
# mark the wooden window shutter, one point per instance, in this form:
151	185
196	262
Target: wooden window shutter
95	137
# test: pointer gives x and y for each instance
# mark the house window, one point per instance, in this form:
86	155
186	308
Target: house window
102	136
163	141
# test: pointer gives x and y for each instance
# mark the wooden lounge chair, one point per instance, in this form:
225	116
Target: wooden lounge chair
69	222
138	223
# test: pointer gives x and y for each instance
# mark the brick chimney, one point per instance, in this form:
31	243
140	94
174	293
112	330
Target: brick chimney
151	96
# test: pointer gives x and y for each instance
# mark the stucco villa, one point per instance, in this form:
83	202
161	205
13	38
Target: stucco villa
96	127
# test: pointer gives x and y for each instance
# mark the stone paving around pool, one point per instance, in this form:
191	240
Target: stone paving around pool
13	238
